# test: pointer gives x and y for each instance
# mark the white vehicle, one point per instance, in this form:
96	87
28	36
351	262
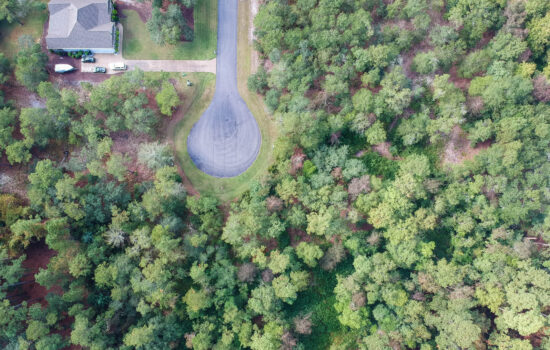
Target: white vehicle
63	68
118	66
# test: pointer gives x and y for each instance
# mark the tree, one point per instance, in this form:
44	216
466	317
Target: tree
139	337
155	155
475	17
18	152
169	27
413	130
257	82
116	166
474	62
42	182
539	34
376	134
7	121
36	330
13	10
30	65
37	125
278	262
4	68
167	98
425	62
24	232
309	253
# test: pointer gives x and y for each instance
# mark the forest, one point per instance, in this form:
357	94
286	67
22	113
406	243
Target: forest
407	206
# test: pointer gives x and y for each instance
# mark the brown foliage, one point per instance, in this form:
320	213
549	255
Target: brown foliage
541	89
475	105
274	203
288	341
333	256
337	173
297	161
303	324
247	272
189	340
359	185
358	300
267	275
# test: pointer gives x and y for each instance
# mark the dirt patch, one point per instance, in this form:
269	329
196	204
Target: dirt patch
461	83
21	97
127	143
458	149
13	179
407	60
38	257
144	9
487	36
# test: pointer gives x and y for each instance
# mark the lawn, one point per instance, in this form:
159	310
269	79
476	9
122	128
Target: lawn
137	43
229	188
33	25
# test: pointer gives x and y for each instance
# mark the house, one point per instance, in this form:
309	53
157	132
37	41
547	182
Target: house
81	25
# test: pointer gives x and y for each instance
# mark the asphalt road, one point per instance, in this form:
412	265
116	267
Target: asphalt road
226	139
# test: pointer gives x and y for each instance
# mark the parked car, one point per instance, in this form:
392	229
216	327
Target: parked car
100	70
118	66
88	59
63	68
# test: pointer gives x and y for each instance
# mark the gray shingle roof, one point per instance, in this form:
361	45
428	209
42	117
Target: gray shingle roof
80	24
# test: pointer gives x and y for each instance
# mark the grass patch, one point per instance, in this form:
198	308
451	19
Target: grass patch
33	25
379	165
229	188
137	43
319	299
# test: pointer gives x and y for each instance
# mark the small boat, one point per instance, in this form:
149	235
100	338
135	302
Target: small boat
63	68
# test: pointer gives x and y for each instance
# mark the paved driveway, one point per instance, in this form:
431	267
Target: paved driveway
173	65
103	60
226	140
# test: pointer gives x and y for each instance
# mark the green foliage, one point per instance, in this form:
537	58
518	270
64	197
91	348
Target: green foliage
155	155
443	244
169	27
539	33
475	17
30	65
425	62
14	11
167	99
378	165
7	121
475	62
309	253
